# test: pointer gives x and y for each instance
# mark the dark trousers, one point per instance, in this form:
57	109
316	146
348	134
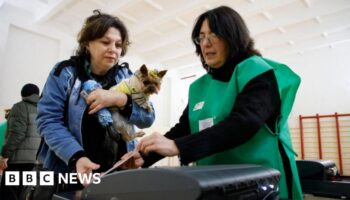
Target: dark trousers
13	192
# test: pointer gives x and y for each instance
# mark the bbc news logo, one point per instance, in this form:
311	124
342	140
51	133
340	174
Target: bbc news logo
46	178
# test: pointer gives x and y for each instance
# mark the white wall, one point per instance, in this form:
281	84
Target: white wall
27	53
325	81
25	59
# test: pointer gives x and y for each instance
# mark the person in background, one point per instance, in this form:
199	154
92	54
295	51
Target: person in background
74	140
22	138
237	112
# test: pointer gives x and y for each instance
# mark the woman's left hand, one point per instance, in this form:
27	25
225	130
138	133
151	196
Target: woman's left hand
101	98
156	142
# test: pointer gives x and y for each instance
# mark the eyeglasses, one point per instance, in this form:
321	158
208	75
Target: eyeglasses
211	38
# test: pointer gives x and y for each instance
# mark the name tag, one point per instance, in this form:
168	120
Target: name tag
198	106
206	123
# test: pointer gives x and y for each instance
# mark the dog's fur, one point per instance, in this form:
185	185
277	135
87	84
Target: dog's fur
140	86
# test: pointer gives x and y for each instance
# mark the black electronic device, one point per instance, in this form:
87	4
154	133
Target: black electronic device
316	169
188	183
321	178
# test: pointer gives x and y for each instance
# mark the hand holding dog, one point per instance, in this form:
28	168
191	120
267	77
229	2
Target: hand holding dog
101	98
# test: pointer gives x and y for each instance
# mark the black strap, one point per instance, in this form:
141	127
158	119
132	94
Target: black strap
71	62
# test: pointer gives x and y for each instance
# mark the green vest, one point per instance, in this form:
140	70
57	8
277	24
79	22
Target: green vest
210	101
3	127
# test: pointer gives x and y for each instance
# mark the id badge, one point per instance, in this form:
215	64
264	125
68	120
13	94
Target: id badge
206	123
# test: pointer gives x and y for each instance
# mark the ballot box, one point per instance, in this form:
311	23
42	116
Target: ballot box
188	183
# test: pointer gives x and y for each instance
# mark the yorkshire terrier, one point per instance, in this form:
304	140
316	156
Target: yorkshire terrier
140	86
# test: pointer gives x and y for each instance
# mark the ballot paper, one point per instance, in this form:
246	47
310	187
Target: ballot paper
119	163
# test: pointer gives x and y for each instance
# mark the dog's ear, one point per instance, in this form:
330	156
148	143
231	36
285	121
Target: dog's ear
144	70
162	73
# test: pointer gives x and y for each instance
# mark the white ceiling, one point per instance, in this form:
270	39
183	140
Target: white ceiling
160	30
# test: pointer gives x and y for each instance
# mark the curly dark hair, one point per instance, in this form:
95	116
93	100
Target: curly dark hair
96	26
228	25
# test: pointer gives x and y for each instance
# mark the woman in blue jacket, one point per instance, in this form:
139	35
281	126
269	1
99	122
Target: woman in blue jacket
73	137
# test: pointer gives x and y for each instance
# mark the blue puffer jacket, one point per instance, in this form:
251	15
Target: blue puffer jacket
63	141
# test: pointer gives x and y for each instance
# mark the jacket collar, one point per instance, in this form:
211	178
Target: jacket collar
33	99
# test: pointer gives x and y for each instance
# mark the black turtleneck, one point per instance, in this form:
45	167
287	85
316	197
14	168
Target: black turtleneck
223	73
258	104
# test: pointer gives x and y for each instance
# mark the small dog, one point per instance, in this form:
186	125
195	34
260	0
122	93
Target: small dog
140	86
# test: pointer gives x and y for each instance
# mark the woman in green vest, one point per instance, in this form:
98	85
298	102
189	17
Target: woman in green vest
237	112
